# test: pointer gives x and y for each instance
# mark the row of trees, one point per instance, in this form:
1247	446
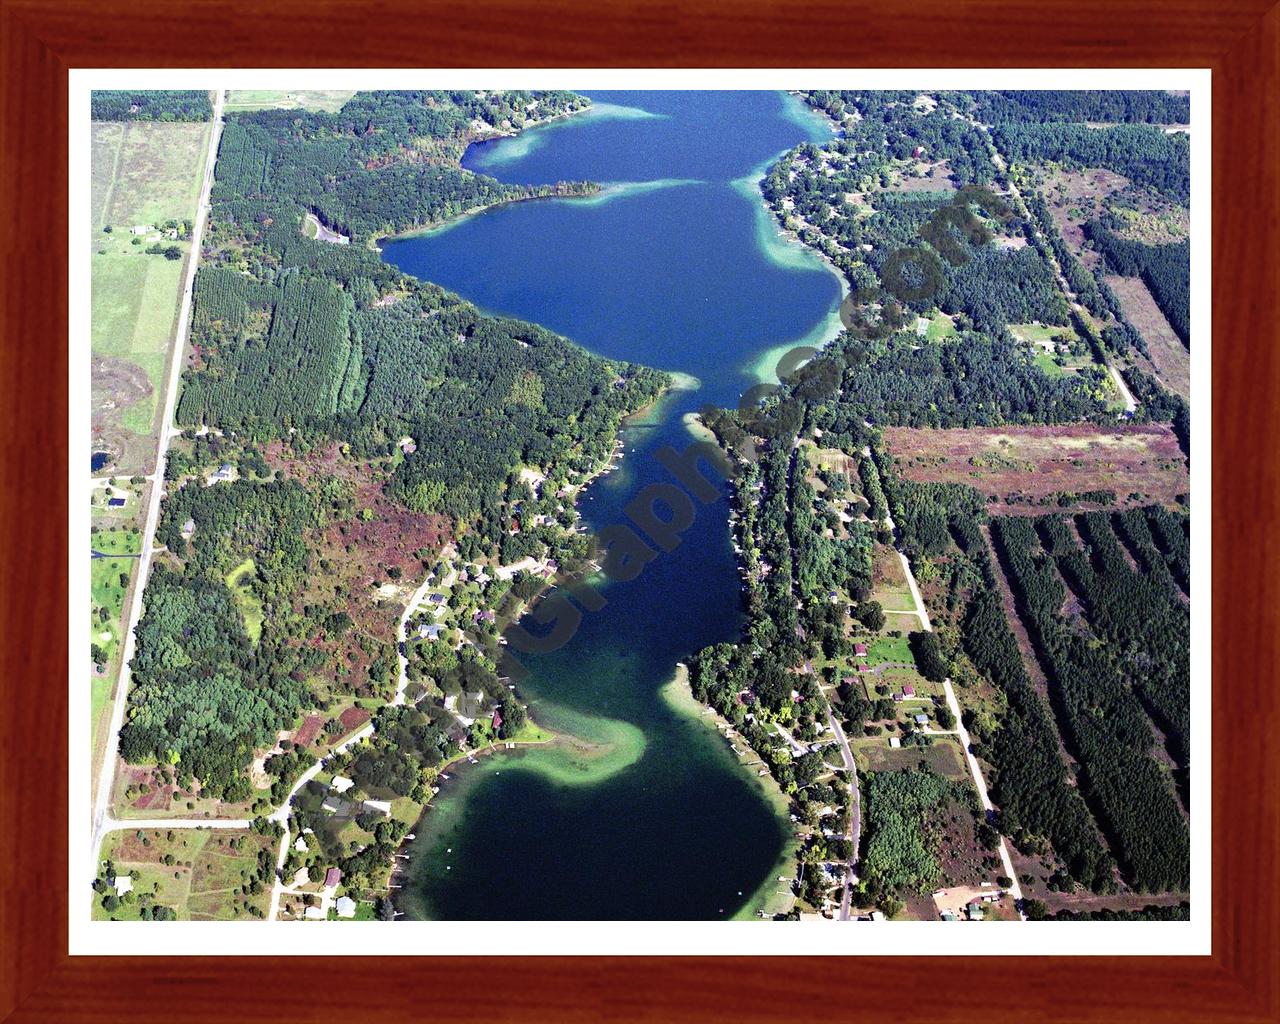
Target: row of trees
1107	725
150	105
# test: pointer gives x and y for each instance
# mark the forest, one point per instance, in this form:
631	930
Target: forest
1108	725
1144	154
1122	106
301	345
150	105
385	163
1166	270
1038	803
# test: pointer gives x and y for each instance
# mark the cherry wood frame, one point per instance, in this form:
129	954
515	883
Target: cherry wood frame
41	39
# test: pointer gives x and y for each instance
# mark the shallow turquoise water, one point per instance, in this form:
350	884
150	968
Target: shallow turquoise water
679	268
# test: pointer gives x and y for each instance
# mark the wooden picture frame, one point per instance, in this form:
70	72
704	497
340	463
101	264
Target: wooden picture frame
41	40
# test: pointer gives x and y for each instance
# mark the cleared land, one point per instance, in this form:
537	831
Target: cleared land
1169	357
144	175
1025	469
279	99
207	878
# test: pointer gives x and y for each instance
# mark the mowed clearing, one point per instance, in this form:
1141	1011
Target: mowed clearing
1023	469
278	99
1169	357
143	175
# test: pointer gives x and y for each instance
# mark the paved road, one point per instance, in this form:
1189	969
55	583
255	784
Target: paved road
855	813
106	773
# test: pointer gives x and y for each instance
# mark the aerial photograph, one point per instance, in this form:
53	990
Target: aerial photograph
642	505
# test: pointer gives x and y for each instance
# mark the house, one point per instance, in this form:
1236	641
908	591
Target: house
922	719
894	743
381	806
860	650
488	615
140	229
908	691
340	784
345	906
917	152
430	632
975	911
864	667
948	916
332	877
124	884
300	845
408	445
922	326
437	598
497	719
314	914
223	473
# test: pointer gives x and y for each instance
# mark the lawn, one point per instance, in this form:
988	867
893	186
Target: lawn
240	580
889	582
107	592
889	648
116	542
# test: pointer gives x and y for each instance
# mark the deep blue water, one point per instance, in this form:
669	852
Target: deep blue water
681	277
99	459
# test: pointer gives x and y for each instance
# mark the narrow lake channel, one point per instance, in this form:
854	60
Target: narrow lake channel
676	265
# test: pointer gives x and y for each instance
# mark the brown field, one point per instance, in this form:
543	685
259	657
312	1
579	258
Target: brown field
936	179
1074	197
1169	357
1140	463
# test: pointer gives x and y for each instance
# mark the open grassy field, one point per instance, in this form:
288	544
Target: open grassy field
205	878
889	582
1169	357
943	755
279	99
143	174
1140	463
239	580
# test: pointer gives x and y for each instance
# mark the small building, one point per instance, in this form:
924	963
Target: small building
124	884
332	877
381	806
922	719
860	650
300	845
340	784
140	229
864	667
894	743
345	906
908	691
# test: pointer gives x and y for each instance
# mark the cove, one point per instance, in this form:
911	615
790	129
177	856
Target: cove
645	814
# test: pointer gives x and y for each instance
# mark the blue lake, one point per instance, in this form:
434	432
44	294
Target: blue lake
678	265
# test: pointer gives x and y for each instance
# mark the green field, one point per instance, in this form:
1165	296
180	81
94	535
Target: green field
279	99
107	592
143	174
240	580
889	648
